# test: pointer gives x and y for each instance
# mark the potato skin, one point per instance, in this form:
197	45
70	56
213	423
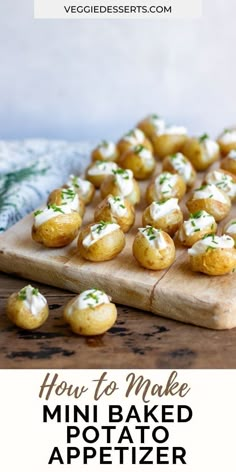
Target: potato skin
194	151
91	321
228	164
98	156
189	241
217	209
55	198
177	192
132	160
96	180
104	249
109	187
169	223
223	172
225	148
103	213
124	145
151	258
18	313
214	262
168	167
59	231
166	144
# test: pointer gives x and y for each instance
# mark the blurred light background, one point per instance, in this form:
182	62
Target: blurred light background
94	79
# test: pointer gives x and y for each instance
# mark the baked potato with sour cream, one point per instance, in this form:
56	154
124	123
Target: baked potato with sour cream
227	141
213	255
140	160
27	309
58	229
121	183
101	241
196	227
153	248
67	196
105	151
83	187
229	162
201	152
91	313
116	210
165	215
211	199
131	139
170	141
98	171
165	186
230	229
151	125
179	164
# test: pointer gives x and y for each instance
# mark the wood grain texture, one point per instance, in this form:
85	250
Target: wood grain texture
176	293
137	339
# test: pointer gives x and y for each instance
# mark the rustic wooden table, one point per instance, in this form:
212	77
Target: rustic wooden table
138	340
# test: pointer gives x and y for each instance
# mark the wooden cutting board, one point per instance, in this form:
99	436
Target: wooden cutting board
175	293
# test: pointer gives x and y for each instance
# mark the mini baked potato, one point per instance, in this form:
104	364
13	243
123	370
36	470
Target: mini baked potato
169	141
227	141
153	248
27	309
55	226
99	170
83	187
67	196
131	139
122	184
91	313
140	160
105	151
230	229
201	152
116	210
152	124
101	241
165	215
213	255
229	162
196	227
179	164
211	199
165	186
223	180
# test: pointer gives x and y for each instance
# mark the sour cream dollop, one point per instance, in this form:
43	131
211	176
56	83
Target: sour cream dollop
160	209
98	231
33	300
154	237
210	191
89	299
211	242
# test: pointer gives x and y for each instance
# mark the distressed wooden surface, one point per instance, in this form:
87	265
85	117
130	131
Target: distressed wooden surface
177	292
138	339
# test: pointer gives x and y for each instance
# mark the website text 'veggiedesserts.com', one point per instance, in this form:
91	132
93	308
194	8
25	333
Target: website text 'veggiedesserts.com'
117	9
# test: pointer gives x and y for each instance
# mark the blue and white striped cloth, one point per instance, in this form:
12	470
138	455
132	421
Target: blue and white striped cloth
31	169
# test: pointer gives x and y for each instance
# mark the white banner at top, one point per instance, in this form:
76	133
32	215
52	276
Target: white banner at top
117	9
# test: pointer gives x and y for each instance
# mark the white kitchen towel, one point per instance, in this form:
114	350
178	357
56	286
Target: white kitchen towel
31	169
